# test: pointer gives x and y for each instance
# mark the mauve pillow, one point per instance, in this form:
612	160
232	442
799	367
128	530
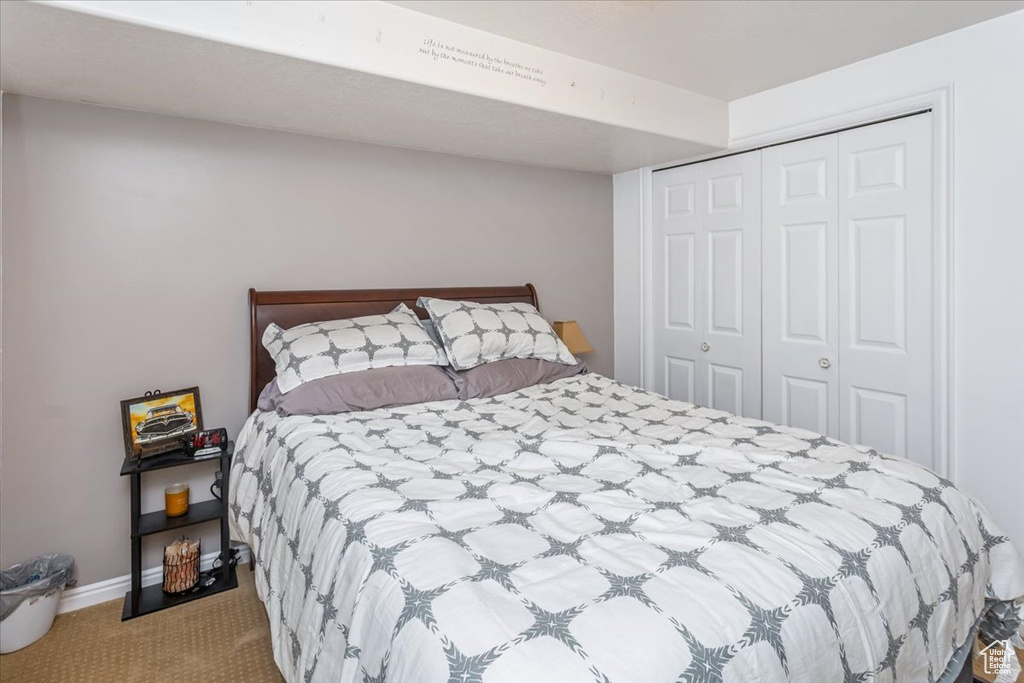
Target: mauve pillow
512	374
362	390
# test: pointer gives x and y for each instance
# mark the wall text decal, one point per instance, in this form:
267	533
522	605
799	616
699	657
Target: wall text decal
441	51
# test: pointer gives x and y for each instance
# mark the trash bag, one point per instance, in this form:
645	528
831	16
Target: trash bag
29	579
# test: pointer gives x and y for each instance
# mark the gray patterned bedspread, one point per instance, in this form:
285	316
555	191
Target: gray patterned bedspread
587	530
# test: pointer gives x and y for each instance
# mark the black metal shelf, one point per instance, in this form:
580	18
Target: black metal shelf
153	599
165	460
155	522
143	600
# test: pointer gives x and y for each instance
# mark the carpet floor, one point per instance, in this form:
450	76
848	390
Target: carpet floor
224	637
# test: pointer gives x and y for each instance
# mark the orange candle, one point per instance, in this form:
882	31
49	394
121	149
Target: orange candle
176	500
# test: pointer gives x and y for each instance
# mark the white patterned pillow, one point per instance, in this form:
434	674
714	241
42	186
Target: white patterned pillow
473	334
314	350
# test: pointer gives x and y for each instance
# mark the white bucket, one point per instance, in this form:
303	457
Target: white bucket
29	621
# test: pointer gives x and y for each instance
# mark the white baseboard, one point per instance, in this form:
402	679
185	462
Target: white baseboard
113	589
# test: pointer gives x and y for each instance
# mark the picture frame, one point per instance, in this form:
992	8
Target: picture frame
157	421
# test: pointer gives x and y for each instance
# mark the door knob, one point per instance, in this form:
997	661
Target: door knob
705	347
824	363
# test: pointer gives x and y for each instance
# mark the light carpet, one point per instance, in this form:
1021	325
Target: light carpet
224	637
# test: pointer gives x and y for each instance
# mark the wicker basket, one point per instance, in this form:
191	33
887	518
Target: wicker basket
181	566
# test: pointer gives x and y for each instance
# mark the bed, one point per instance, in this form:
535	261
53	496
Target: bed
588	530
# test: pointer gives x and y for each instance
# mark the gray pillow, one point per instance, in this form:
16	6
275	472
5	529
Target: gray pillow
473	333
362	390
314	350
428	325
512	374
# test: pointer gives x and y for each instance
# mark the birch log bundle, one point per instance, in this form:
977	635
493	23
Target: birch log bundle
181	566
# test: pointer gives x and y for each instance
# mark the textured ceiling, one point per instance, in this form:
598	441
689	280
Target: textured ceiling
50	52
722	48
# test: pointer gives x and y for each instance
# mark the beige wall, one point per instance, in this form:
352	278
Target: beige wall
129	241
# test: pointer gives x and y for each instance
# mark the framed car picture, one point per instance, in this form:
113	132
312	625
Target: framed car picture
156	422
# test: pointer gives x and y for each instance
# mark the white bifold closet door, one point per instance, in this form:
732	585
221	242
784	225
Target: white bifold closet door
801	285
706	277
848	286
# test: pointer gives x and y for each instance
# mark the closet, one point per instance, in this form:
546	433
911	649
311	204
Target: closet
795	283
706	265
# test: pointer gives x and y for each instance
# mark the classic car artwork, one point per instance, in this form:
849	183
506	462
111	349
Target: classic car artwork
156	422
162	422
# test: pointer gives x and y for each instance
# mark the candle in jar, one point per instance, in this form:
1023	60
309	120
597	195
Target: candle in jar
176	499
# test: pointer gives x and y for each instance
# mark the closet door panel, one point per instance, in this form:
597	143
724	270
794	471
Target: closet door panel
729	365
676	282
800	290
886	327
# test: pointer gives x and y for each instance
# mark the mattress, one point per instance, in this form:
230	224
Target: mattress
588	530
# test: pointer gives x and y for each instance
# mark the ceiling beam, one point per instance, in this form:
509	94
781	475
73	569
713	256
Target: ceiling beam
368	71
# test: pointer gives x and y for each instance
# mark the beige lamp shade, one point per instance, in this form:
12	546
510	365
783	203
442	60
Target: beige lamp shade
572	336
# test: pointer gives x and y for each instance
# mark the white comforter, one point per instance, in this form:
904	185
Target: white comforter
586	530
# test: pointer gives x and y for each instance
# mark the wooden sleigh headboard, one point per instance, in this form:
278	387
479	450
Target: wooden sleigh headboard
288	309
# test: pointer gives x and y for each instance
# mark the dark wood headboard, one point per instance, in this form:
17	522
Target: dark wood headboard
289	309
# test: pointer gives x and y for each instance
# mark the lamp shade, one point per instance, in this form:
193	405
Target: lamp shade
572	336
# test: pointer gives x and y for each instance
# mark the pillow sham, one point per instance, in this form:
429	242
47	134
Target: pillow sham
511	374
314	350
473	334
363	390
427	323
